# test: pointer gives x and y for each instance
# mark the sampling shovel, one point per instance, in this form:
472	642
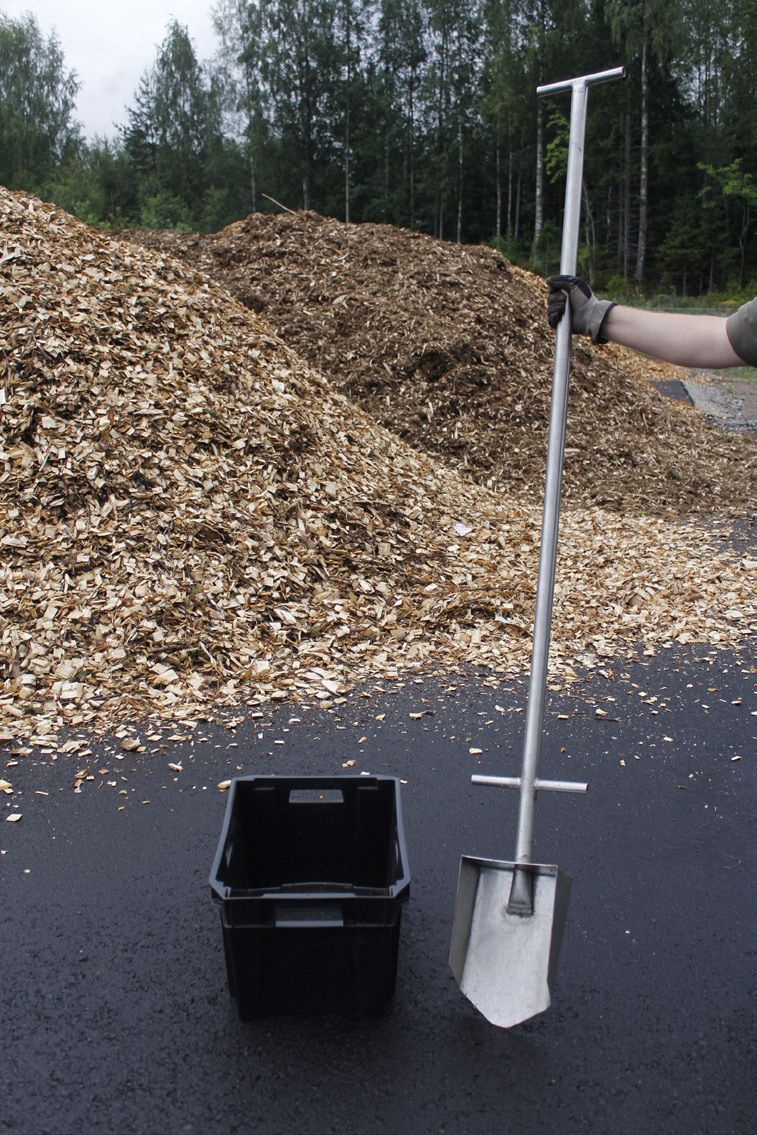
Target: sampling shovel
509	916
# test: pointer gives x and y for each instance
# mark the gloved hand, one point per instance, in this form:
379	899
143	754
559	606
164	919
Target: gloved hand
588	313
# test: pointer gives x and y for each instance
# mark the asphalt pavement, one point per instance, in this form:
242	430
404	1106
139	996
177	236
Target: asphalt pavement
116	1015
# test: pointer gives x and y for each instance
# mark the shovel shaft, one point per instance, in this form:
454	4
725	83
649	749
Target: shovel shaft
555	452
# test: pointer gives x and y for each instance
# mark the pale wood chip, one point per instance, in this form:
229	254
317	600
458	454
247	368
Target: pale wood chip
194	521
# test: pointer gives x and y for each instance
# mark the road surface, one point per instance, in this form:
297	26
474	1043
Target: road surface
116	1016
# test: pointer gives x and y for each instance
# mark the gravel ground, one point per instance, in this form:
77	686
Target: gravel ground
725	401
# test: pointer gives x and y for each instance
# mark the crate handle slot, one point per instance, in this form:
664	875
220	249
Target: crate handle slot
308	917
316	796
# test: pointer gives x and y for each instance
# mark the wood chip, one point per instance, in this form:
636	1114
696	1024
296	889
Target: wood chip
194	520
448	346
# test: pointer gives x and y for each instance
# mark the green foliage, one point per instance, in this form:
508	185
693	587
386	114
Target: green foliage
558	132
165	210
37	96
618	288
499	244
173	129
734	182
423	113
214	210
546	250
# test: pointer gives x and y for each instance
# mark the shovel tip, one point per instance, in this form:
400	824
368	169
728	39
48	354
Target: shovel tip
505	963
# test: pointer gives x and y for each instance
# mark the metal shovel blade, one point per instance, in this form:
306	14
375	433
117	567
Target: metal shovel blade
506	963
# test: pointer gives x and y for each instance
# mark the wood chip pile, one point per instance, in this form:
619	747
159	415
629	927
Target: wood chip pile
449	347
192	518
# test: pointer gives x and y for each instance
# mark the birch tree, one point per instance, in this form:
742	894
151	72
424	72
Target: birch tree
647	31
401	53
37	99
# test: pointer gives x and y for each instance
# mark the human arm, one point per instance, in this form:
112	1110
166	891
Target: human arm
688	340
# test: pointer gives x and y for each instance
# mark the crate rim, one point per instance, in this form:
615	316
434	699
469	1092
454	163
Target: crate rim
221	894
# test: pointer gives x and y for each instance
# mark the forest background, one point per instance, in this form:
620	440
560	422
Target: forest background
424	114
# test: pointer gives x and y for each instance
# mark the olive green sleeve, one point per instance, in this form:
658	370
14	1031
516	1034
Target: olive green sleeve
741	328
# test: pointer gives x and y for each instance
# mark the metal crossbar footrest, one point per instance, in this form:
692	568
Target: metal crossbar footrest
539	785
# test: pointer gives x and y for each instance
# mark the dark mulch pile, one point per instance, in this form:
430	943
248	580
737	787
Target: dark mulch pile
448	346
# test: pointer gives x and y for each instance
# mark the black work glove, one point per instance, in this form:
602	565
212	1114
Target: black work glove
588	313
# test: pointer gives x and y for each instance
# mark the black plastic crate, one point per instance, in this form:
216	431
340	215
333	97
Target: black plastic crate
310	876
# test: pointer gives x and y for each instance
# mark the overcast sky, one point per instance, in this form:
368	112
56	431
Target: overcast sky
109	43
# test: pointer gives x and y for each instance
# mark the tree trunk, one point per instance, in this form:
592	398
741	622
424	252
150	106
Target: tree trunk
539	201
626	251
641	251
441	125
348	56
386	172
460	179
516	230
347	165
590	235
509	185
498	228
411	127
742	244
